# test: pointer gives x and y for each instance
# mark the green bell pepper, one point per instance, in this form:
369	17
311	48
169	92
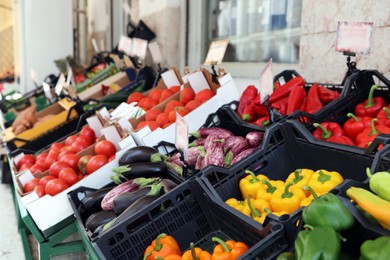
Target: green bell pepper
328	211
286	256
378	249
379	183
317	243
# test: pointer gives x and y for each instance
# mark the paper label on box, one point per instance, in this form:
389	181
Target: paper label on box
95	124
47	91
32	196
266	81
17	158
105	114
127	142
139	48
182	132
154	49
170	79
112	135
25	177
119	110
125	44
216	52
60	84
354	37
125	124
198	81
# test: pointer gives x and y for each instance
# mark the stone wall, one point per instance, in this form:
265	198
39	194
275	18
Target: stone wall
318	59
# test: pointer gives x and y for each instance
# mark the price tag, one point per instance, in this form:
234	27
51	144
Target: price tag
95	46
47	91
125	44
354	37
181	140
26	177
69	76
111	134
104	113
125	124
17	158
34	76
139	48
60	84
154	49
216	52
197	81
126	7
95	124
170	79
266	81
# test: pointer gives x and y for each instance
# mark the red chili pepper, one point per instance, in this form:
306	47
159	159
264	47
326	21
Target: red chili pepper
246	99
355	125
327	129
285	89
313	102
276	85
263	121
260	111
371	106
281	105
295	99
384	116
248	113
327	95
341	140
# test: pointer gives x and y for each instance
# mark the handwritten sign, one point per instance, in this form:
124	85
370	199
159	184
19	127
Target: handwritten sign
216	52
139	48
154	49
181	140
266	82
354	37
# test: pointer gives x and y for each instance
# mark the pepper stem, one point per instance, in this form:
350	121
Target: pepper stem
158	244
325	133
147	255
158	258
373	129
193	252
222	243
310	227
370	102
298	176
265	123
254	178
270	189
323	177
287	193
387	110
315	196
255	213
353	116
368	172
268	210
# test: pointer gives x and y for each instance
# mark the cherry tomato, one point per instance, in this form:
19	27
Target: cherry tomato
30	185
43	181
55	186
40	190
70	140
42	156
95	163
83	163
69	176
56	167
78	146
56	145
71	159
25	166
87	131
38	167
84	138
27	158
105	148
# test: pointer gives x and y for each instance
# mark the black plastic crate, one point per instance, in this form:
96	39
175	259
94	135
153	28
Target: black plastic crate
189	215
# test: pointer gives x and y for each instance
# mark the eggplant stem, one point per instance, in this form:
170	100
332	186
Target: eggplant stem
121	169
155	157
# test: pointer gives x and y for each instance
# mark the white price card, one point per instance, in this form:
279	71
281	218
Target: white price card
154	49
111	134
17	158
47	91
104	113
70	75
125	124
95	124
170	78
266	81
354	37
139	48
182	131
95	46
60	84
216	52
126	7
34	76
125	44
198	81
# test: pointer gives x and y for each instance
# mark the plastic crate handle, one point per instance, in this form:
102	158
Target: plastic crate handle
286	75
379	156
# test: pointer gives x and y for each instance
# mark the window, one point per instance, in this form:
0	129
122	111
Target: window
257	29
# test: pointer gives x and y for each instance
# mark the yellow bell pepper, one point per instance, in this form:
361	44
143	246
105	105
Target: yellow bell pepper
306	201
254	212
322	181
236	204
288	199
300	177
251	183
276	213
268	189
259	204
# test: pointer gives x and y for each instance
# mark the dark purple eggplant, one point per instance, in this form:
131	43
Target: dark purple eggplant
99	218
168	185
193	154
215	154
140	154
139	170
131	185
197	142
93	200
235	144
220	132
243	154
254	138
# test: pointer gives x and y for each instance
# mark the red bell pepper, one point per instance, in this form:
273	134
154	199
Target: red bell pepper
281	105
327	95
313	102
263	121
254	110
355	125
285	89
246	99
370	133
276	85
384	116
371	106
295	99
327	129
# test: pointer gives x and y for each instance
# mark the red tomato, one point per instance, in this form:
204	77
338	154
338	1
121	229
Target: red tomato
42	156
30	185
105	148
27	158
65	148
40	190
95	163
50	159
70	140
71	159
86	139
64	153
87	131
45	179
56	167
69	176
83	163
54	152
55	186
78	146
38	167
25	166
112	157
56	145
